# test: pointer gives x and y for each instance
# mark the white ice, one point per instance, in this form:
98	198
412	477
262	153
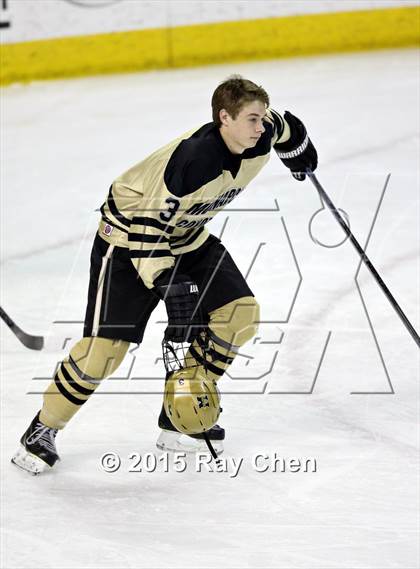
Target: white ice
321	380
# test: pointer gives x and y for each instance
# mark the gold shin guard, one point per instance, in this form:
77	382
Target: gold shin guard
231	326
90	361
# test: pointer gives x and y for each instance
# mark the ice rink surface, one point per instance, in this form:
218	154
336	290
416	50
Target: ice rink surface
332	376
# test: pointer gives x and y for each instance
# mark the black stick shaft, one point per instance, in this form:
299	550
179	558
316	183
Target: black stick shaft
364	257
6	318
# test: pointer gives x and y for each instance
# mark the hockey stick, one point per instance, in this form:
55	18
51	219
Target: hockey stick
324	196
31	342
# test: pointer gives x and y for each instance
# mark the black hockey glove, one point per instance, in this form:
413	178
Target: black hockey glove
298	153
180	295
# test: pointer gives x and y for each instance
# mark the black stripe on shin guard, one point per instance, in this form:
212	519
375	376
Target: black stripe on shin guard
217	356
223	344
73	383
214	369
66	394
83	376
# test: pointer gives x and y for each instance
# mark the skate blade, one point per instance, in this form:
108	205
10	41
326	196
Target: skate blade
29	462
177	442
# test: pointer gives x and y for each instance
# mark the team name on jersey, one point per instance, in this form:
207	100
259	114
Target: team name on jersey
221	201
189	224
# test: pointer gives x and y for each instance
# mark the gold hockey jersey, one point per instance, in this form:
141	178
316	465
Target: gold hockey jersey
159	208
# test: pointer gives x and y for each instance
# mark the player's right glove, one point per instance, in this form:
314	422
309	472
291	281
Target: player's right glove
298	153
180	295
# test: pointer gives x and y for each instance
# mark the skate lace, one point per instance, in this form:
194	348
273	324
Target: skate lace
43	435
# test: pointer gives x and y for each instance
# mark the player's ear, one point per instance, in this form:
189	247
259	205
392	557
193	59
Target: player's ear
224	116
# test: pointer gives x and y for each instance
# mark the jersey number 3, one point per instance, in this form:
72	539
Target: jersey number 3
173	206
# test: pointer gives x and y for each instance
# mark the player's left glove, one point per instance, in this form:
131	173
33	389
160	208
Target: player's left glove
180	295
298	153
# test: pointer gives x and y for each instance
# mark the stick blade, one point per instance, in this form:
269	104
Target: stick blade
31	342
28	340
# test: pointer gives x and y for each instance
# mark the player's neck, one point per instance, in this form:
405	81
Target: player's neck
233	146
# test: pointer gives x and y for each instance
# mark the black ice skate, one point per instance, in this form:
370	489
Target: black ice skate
172	440
37	450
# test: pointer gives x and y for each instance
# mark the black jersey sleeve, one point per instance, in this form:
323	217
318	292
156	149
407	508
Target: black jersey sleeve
170	188
194	164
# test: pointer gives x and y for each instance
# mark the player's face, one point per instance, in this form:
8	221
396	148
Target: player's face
245	130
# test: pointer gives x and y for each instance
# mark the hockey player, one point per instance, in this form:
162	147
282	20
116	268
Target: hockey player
152	244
